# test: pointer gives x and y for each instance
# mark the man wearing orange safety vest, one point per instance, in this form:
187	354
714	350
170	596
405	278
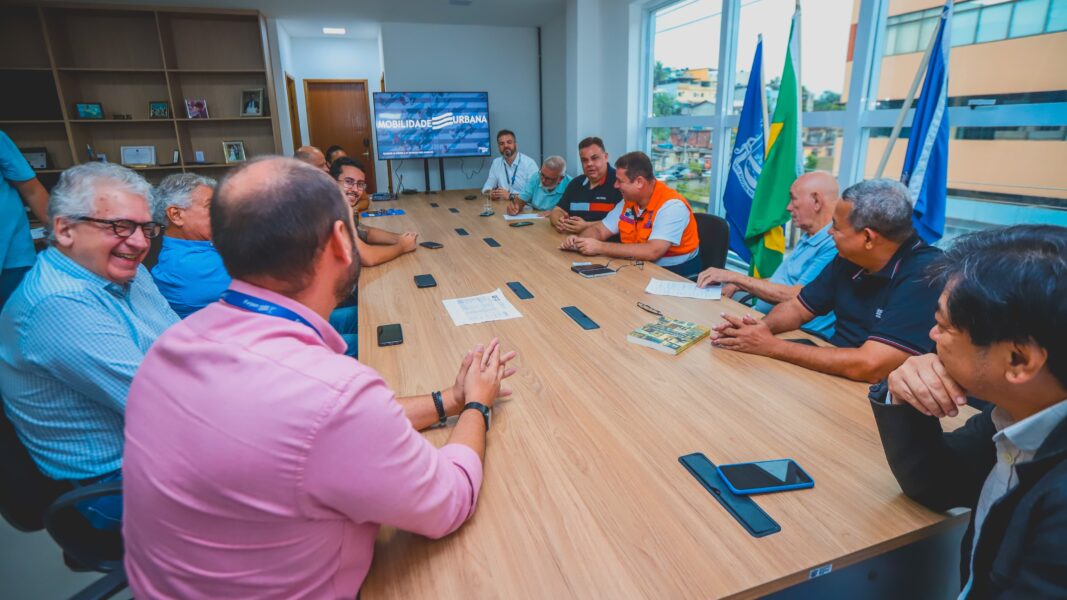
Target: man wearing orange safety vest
653	222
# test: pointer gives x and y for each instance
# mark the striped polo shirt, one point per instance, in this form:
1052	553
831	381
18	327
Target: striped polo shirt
70	342
591	204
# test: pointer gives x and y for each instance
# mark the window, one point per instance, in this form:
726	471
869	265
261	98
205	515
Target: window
686	53
1057	17
993	23
681	158
964	24
1029	18
975	21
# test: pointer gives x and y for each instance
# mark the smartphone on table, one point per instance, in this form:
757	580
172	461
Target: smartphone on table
390	335
425	281
764	477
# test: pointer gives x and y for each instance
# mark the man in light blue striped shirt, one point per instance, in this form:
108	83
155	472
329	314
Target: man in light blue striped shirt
73	334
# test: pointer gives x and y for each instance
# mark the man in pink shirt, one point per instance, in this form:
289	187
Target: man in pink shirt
259	460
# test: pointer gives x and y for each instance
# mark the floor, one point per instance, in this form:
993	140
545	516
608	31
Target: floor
31	567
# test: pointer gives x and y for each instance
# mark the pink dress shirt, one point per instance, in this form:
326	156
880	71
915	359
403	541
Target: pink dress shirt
260	461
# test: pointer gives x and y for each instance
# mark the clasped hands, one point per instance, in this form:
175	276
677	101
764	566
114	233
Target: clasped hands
743	334
584	245
480	376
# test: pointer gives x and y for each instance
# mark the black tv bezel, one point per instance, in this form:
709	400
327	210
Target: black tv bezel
378	147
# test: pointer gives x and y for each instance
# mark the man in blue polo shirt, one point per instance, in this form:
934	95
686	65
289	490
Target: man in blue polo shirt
592	196
877	286
543	192
812	200
18	185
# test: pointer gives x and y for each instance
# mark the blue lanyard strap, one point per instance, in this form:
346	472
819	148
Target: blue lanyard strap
511	179
265	307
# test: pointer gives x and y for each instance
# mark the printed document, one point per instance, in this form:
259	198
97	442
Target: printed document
481	309
683	289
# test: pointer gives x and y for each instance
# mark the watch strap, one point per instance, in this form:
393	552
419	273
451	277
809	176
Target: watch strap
439	404
478	406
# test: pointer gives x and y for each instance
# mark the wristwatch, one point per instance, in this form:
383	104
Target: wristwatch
487	413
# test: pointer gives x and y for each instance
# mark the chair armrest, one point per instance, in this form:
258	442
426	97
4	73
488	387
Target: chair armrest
89	547
747	299
89	492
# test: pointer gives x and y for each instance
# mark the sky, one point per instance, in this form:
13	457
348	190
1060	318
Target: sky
687	35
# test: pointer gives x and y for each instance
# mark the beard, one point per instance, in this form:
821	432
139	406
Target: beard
346	285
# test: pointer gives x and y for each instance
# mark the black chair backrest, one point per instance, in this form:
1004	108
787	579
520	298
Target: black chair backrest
714	235
25	494
154	246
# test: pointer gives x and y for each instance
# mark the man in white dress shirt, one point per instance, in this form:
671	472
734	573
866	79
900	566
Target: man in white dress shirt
511	171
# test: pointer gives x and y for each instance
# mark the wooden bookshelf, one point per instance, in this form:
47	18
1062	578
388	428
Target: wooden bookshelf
57	56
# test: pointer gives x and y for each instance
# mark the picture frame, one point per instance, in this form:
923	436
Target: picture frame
137	156
37	157
89	110
233	152
196	108
252	103
158	109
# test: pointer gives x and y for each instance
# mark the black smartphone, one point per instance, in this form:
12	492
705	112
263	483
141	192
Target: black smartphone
453	210
462	231
424	281
431	245
492	243
744	509
765	476
580	318
434	204
521	223
390	335
520	290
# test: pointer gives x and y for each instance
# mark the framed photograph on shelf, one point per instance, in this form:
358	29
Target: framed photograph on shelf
159	109
252	103
37	157
196	108
233	151
137	156
89	110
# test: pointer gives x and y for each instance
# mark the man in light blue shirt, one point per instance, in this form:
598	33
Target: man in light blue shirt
812	199
18	186
511	171
73	334
189	273
542	193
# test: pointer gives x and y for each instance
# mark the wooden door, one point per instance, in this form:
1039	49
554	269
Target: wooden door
294	114
339	113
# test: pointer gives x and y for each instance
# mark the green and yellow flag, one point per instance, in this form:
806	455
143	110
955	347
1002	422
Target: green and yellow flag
764	235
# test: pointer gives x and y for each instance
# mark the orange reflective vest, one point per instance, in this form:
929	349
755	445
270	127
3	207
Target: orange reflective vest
635	228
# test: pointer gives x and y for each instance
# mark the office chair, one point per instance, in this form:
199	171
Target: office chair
714	234
29	501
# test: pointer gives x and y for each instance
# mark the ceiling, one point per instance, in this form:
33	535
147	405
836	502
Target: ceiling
361	18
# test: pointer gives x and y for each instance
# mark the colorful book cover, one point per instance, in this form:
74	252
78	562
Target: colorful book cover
668	335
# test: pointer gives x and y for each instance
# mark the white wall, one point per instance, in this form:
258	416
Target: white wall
554	89
279	43
457	58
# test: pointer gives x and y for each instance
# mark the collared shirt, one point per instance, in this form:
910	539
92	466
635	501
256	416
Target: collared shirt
513	177
1017	442
16	245
894	306
591	203
190	274
70	342
800	267
261	461
536	196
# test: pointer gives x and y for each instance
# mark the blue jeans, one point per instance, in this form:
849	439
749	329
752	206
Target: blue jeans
345	320
105	512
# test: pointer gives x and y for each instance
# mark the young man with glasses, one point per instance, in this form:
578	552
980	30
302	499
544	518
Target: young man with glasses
542	193
376	246
73	334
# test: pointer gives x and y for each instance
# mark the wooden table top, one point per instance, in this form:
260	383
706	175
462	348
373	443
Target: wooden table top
583	493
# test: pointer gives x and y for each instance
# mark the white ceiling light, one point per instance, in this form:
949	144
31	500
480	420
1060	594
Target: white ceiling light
333	30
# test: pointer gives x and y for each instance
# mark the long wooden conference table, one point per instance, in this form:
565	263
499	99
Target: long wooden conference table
583	495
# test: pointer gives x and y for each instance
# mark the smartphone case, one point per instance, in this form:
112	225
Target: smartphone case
744	509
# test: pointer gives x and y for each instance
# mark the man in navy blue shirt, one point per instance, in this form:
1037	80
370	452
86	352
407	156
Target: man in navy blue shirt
877	287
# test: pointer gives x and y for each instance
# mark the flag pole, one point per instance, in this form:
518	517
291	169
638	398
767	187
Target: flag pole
763	98
908	101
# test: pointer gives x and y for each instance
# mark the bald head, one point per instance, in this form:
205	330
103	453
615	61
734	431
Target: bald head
312	156
812	199
272	216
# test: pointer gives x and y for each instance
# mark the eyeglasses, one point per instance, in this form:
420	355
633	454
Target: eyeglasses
124	228
348	182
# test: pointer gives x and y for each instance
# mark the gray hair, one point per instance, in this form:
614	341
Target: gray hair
177	190
556	163
883	205
75	194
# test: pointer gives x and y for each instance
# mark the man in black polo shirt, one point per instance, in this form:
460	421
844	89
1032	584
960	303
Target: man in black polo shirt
877	286
588	198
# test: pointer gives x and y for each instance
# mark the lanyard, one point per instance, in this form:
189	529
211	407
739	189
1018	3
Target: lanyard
514	174
264	307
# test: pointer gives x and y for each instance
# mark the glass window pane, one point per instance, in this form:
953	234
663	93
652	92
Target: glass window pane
890	40
908	38
993	23
821	145
926	33
964	25
996	177
685	58
1057	17
681	157
1029	17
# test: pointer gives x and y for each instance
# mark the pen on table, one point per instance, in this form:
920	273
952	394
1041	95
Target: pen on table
648	308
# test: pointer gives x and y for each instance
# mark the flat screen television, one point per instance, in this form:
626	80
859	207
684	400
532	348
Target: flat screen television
431	124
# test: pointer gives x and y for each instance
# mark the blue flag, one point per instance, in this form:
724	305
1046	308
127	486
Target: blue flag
746	161
926	163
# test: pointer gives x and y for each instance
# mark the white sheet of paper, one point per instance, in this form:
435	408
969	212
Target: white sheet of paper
523	216
683	289
481	309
